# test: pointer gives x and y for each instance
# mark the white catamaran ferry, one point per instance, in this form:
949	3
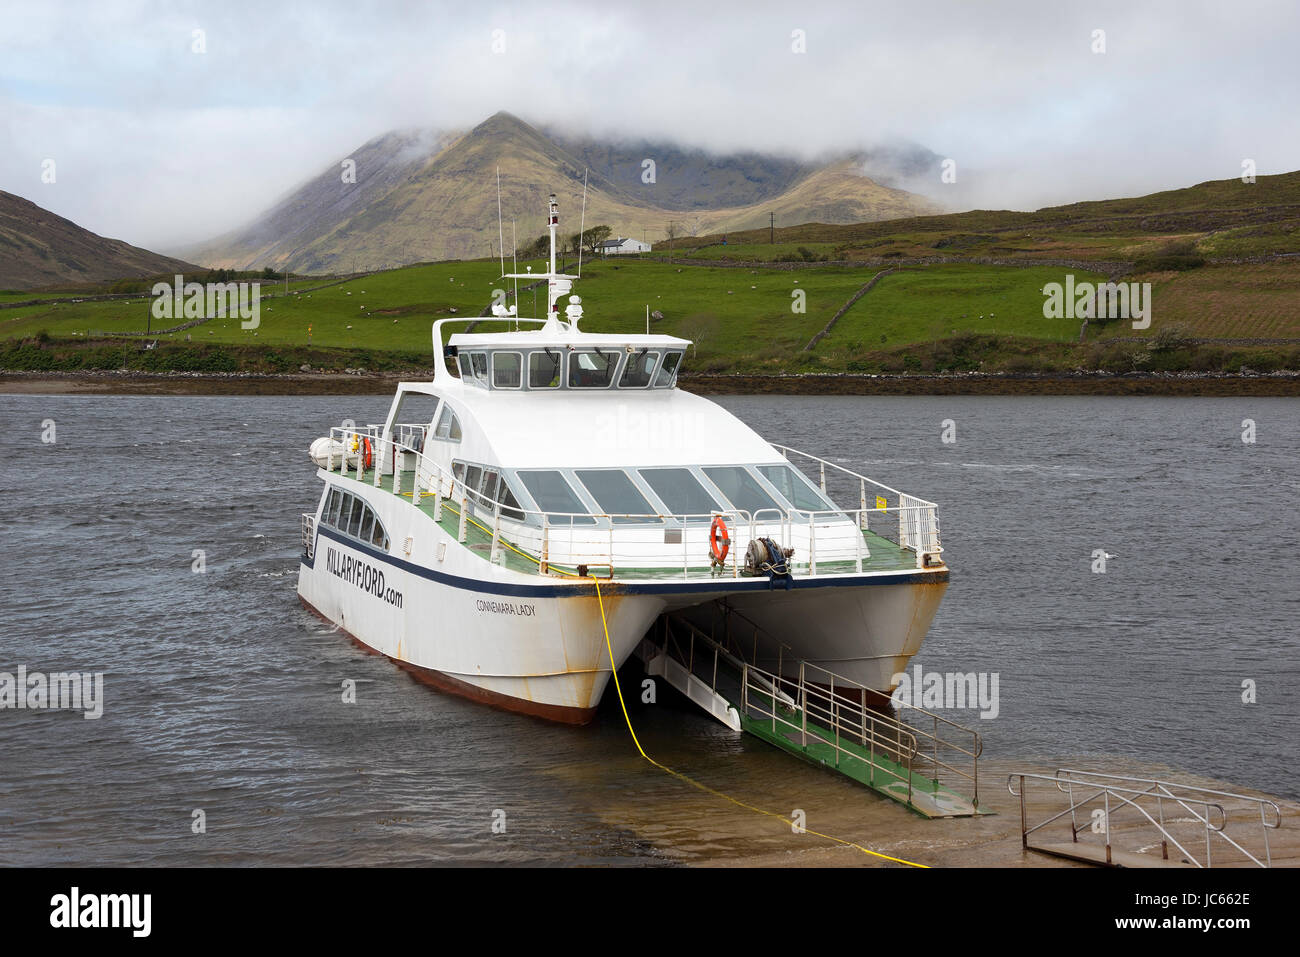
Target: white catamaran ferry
461	536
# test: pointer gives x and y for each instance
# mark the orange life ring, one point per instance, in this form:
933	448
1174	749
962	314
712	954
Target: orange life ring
367	455
719	545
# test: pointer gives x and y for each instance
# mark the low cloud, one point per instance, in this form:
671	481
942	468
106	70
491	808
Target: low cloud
161	145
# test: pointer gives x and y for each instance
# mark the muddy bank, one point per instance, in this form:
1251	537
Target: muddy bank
237	383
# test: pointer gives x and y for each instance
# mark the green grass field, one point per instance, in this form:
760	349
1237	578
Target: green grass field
740	318
938	302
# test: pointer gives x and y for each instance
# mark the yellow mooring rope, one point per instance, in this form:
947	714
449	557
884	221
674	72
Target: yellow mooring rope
705	787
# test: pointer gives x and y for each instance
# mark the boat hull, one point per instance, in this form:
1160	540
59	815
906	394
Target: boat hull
532	648
866	633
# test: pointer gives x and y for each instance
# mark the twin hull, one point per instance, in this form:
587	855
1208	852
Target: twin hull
536	644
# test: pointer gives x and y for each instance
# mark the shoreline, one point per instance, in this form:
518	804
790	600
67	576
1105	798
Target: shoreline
1283	384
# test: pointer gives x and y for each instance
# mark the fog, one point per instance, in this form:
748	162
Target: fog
161	143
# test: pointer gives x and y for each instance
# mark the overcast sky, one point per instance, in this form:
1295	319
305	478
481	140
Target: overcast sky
160	145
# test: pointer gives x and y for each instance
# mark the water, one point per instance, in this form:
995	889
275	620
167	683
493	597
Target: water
223	696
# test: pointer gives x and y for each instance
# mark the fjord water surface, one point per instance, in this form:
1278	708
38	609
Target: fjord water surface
223	696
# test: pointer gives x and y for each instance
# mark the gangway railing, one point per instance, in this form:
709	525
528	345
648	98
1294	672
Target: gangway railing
945	747
1093	792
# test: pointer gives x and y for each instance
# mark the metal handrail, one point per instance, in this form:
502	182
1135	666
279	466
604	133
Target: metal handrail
1103	786
1167	788
905	757
308	533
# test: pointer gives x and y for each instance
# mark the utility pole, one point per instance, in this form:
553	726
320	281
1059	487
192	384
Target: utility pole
771	229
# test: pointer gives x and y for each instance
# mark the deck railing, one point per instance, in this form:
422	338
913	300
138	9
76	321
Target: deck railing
824	542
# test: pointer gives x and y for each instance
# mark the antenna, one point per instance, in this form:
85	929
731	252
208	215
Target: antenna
501	246
582	223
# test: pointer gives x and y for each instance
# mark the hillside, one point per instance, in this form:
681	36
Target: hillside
39	248
1225	217
437	204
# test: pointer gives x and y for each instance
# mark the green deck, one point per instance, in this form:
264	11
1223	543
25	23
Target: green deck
882	554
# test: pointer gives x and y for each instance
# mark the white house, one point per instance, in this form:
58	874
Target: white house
623	246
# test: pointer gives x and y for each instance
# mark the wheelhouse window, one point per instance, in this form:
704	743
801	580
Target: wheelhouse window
740	488
639	370
617	495
553	493
795	488
680	491
544	370
592	369
448	428
507	370
474	367
668	371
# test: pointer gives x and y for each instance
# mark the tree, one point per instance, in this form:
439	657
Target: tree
591	239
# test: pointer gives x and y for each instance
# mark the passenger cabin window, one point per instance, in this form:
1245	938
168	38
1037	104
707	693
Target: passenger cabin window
544	370
553	493
681	492
473	475
617	495
448	428
507	371
795	488
640	367
740	488
494	488
350	515
668	371
591	369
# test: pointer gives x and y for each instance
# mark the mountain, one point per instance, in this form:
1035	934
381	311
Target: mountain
326	202
685	179
421	196
38	248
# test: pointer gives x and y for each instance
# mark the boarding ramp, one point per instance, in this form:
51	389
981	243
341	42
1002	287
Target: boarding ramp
822	717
